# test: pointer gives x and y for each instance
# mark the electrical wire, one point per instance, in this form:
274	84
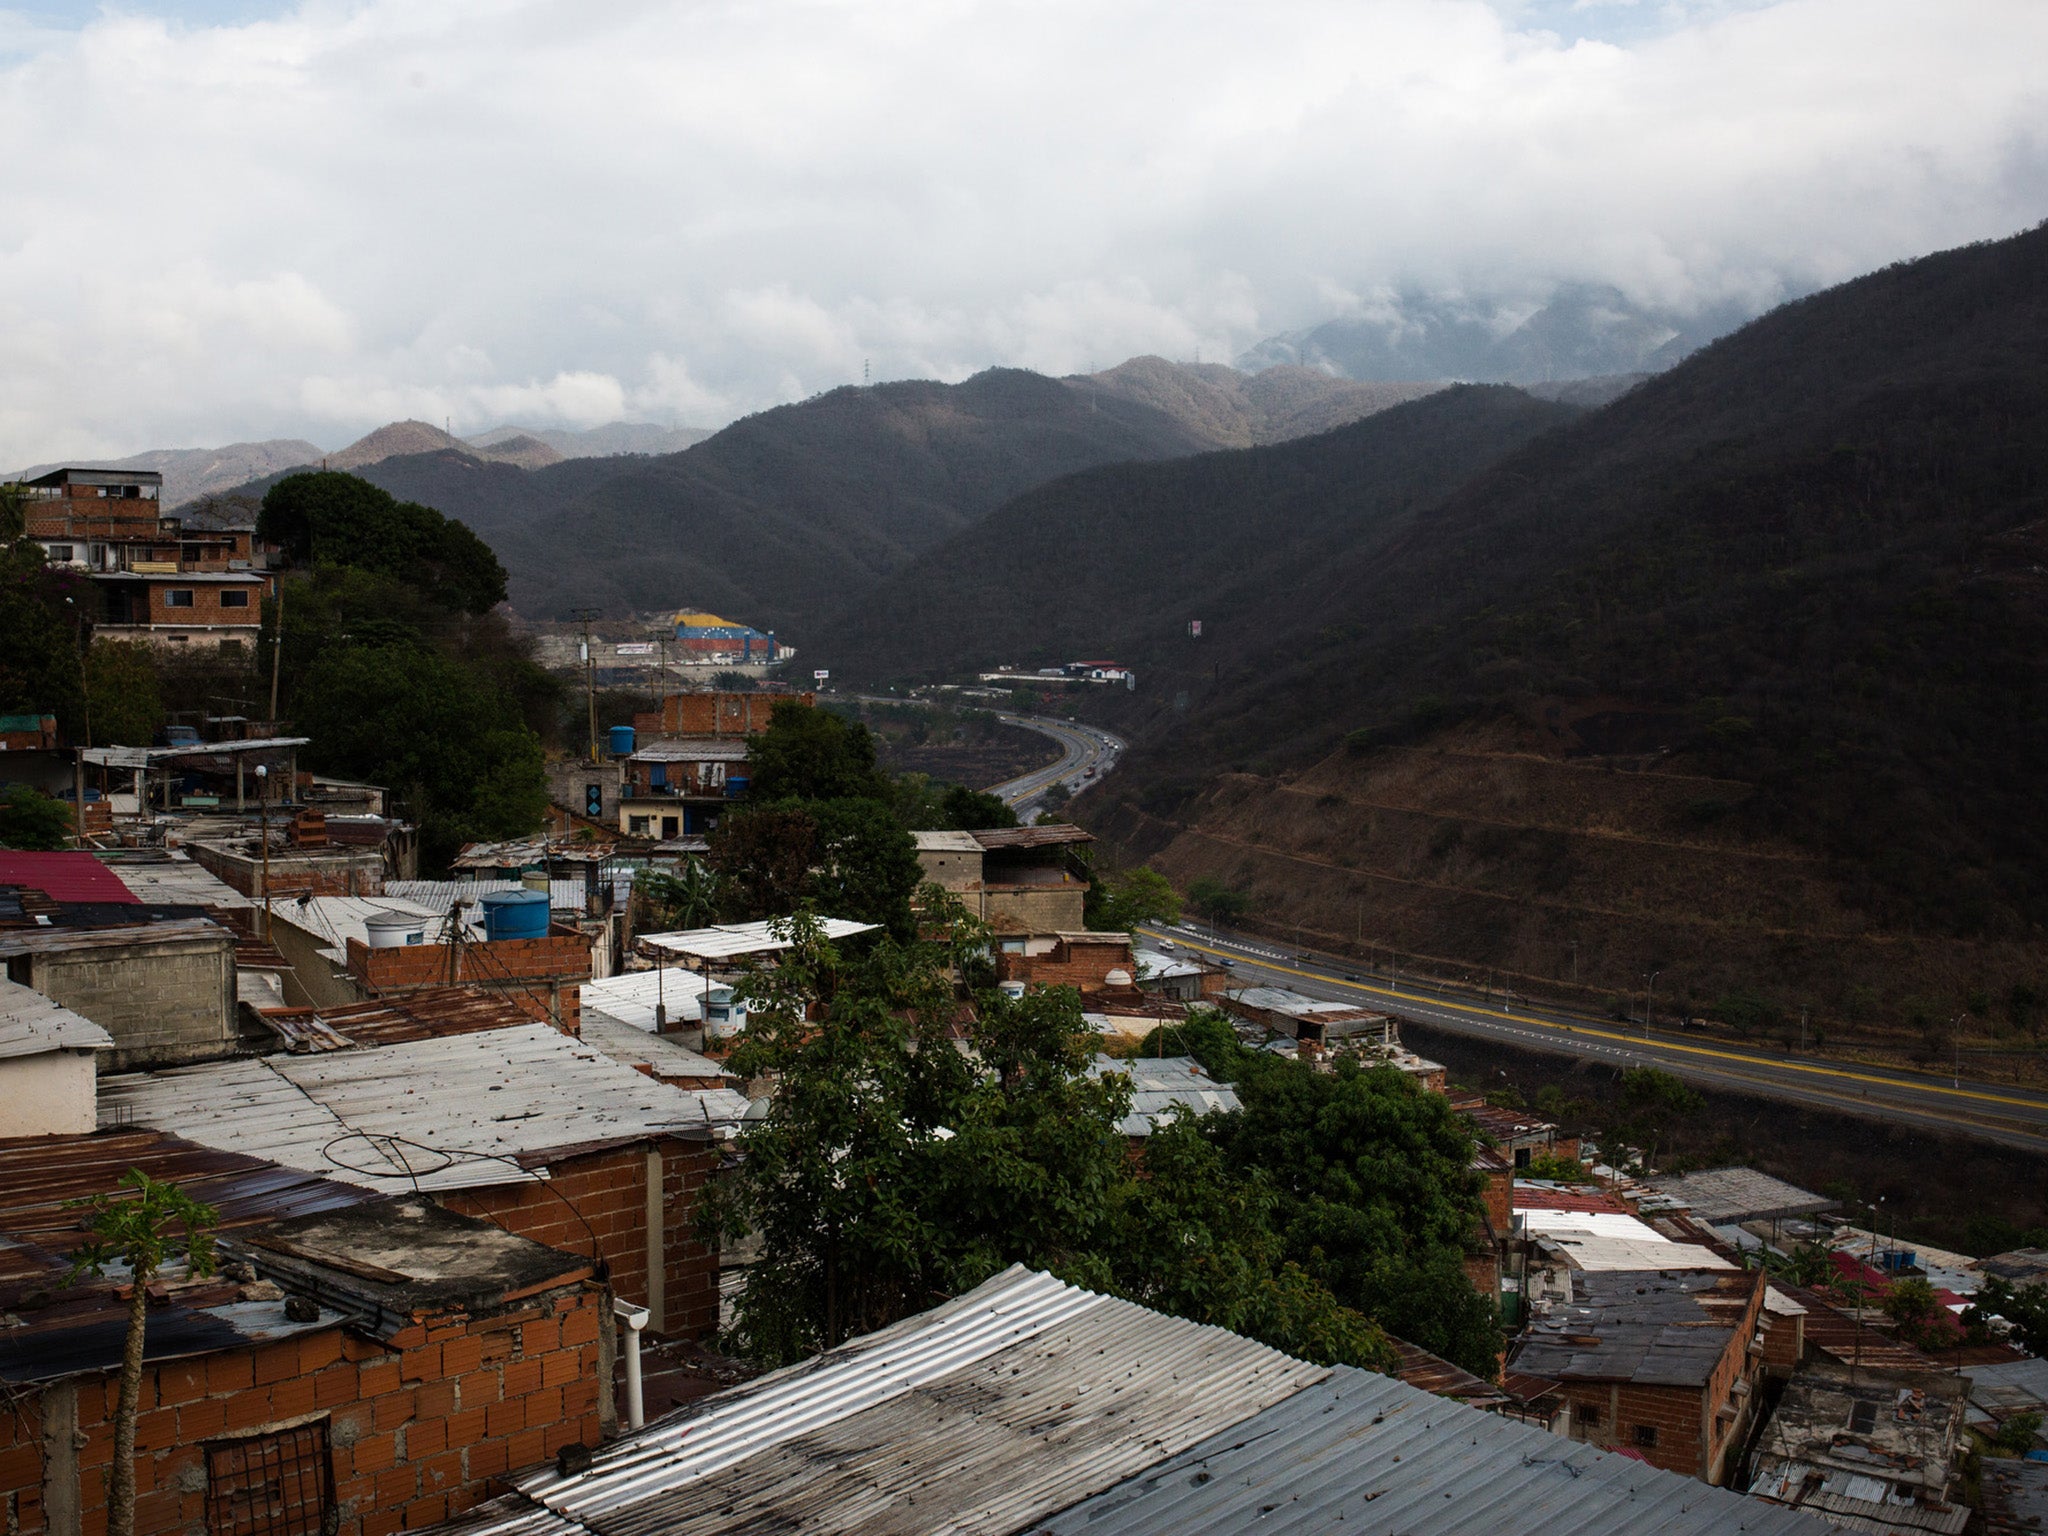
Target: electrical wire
394	1148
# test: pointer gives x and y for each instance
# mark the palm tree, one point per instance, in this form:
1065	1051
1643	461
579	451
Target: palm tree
134	1231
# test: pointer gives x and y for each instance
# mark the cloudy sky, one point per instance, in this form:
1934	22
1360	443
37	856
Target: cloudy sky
231	219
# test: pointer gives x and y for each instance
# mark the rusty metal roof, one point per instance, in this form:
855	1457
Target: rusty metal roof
1051	835
1433	1373
48	941
49	1328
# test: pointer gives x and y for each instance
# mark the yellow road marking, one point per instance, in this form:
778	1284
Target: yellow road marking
1837	1073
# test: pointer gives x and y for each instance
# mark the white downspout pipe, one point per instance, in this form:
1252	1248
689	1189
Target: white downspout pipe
635	1318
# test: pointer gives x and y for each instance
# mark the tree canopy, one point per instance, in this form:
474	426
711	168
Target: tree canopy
888	1175
325	517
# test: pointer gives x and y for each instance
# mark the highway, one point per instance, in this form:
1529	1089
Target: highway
2013	1117
1085	753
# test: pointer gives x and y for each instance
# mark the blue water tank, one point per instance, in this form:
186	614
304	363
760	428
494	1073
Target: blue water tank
515	915
622	741
735	786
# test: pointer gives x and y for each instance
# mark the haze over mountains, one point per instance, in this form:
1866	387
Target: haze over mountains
1796	580
1581	330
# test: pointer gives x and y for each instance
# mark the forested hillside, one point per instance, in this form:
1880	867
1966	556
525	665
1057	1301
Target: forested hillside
1806	565
1117	561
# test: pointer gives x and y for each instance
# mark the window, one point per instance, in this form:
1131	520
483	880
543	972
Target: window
234	597
1862	1418
279	1484
1521	1157
178	597
636	826
1589	1417
1646	1436
61	553
192	554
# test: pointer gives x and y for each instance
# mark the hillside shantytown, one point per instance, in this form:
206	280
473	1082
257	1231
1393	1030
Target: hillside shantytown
763	1136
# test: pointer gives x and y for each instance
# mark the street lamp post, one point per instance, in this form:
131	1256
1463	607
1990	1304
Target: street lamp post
263	818
1649	992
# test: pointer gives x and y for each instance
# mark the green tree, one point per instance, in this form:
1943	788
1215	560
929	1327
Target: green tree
1217	901
1131	899
1648	1106
325	517
762	857
1377	1200
440	736
864	865
689	898
2024	1308
141	1232
127	701
814	754
889	1174
42	609
33	821
2016	1435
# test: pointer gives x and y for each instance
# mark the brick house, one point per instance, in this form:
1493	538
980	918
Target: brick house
1664	1363
539	1133
156	578
359	1365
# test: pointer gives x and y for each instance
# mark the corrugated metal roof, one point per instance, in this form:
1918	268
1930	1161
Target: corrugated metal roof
632	998
169	878
31	1024
633	1047
455	1112
334	920
1368	1454
1434	1374
706	749
523	851
1162	1088
1051	835
731	940
983	1415
2015	1498
64	876
1717	1195
46	941
1653	1328
439	895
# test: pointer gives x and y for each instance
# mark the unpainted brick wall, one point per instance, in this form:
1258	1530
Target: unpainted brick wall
541	977
723	714
1067	965
421	1428
608	1190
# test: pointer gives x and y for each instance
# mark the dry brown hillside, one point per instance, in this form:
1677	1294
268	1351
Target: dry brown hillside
1511	848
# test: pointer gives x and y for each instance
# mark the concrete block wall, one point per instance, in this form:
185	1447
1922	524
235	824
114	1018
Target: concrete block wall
420	1428
164	1001
608	1191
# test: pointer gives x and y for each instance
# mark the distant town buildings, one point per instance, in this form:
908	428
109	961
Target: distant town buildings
174	579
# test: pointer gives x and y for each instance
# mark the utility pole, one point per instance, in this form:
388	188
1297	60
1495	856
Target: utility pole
1575	965
585	615
1802	1031
1957	1025
1649	992
276	650
263	814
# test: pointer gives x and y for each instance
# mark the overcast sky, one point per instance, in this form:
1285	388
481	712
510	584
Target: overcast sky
231	220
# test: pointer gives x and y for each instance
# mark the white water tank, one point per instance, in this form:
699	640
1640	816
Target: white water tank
1013	989
394	930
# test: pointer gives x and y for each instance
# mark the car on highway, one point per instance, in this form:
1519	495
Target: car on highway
1167	944
1226	962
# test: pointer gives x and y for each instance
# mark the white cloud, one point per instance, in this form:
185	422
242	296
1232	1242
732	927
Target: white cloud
492	209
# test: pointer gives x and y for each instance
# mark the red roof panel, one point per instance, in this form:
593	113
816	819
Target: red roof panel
64	876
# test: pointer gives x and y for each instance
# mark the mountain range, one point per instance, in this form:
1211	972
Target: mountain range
192	473
1740	679
791	514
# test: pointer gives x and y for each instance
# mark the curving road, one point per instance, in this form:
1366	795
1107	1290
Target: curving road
1085	755
2014	1117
